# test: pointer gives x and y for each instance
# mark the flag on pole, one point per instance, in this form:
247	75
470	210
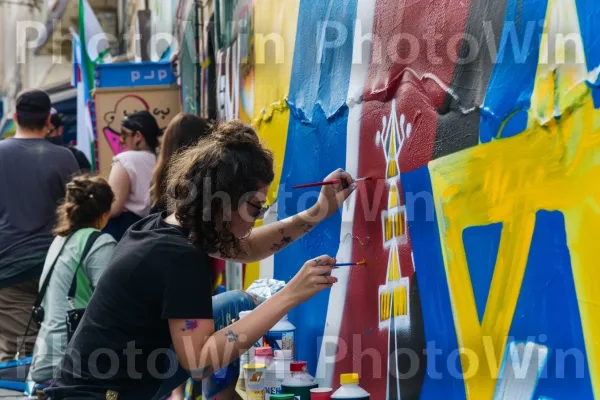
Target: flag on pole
85	131
90	48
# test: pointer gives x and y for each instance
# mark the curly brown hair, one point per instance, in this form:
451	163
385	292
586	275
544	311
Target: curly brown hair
183	131
87	199
230	161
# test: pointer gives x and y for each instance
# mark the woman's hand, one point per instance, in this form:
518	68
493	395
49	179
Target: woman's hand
333	196
314	276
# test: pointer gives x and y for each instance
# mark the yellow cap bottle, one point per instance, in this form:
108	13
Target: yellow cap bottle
350	389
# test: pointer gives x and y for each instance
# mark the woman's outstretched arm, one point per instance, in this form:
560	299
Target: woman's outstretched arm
269	239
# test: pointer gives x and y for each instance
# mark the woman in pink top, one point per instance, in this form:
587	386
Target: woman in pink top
131	174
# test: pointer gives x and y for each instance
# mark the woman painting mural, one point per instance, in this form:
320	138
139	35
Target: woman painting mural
156	291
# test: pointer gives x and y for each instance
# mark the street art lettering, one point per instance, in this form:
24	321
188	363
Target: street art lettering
479	231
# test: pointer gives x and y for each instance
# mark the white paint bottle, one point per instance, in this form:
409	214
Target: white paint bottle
248	356
350	389
282	336
277	372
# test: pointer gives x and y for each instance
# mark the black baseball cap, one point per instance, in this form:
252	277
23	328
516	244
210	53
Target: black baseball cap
144	122
33	103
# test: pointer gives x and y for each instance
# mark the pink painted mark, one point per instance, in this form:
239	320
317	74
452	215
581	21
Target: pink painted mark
113	140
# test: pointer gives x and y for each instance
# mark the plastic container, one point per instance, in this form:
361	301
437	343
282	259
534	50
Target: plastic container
321	393
255	382
350	389
277	372
300	382
263	355
282	336
248	357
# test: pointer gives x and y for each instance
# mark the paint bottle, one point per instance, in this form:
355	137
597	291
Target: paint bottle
255	381
263	355
248	357
277	372
300	382
282	336
282	397
350	389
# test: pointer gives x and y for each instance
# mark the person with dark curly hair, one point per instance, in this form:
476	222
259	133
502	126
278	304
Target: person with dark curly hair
86	210
152	309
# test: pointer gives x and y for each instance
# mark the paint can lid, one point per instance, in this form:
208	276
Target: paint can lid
349	379
263	351
283	354
282	397
255	366
298	366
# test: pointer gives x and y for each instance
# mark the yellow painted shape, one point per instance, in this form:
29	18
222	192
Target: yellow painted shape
275	22
553	165
393	201
392	169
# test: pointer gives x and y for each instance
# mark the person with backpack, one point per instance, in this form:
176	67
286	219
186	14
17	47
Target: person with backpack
76	259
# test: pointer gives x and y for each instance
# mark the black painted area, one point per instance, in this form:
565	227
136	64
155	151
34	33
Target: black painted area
458	125
412	362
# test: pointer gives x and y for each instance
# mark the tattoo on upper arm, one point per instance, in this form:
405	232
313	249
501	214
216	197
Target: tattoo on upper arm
190	325
285	240
232	336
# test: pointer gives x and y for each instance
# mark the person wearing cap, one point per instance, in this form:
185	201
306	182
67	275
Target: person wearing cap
55	135
33	177
131	173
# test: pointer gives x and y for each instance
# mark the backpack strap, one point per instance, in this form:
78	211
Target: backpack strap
88	246
40	297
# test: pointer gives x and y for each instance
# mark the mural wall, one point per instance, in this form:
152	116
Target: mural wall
479	122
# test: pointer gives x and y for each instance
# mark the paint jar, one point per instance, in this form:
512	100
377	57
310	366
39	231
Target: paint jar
263	355
277	372
350	389
300	382
255	382
321	393
282	336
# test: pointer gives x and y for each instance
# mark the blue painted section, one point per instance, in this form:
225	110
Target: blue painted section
134	74
511	84
589	15
481	247
547	312
441	380
323	57
316	146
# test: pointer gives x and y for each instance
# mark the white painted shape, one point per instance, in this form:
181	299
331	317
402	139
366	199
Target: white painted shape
523	363
337	297
267	266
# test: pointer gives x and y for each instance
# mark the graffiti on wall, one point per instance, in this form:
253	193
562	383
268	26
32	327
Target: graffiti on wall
112	106
479	122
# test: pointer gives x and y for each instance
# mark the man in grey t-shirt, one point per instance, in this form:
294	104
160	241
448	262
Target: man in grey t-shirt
33	175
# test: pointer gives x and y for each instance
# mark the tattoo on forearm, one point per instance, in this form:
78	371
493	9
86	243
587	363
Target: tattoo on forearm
306	228
285	240
190	325
232	336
